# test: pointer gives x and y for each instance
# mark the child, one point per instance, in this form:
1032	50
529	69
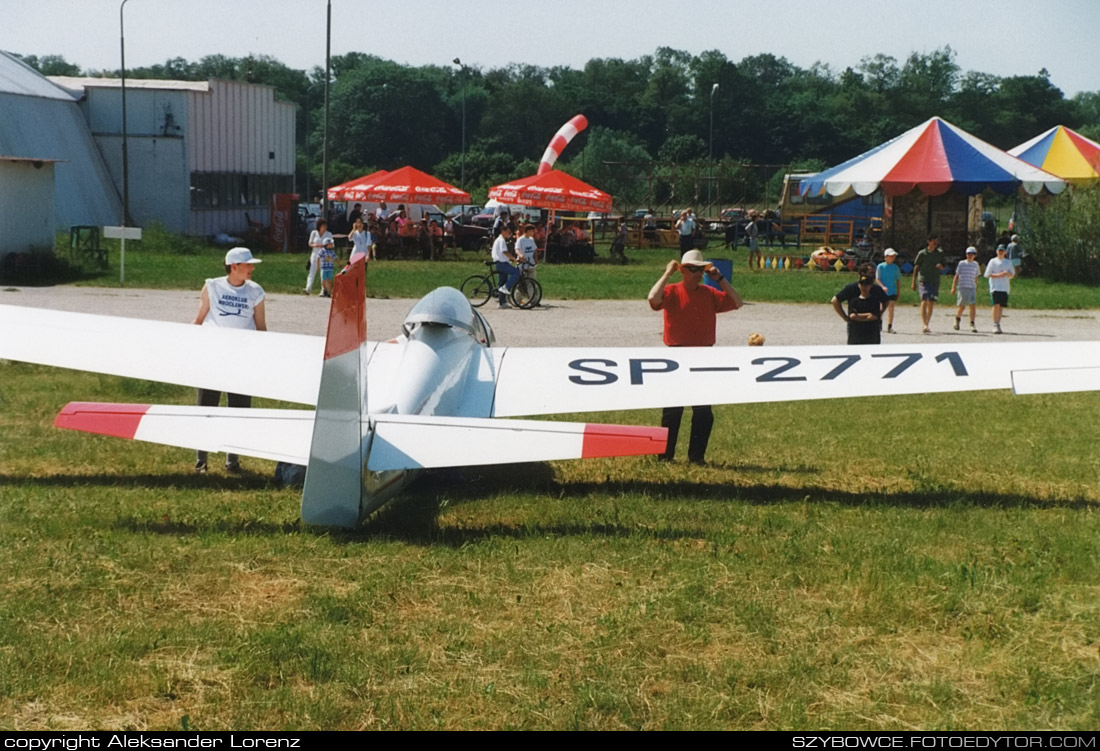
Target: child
886	275
966	280
327	257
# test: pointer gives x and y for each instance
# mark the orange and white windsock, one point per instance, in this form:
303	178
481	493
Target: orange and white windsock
560	141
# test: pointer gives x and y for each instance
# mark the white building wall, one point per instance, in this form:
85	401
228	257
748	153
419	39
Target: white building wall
26	206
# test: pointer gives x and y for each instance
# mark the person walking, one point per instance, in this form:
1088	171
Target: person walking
966	282
999	272
686	227
926	269
887	275
232	301
319	239
690	311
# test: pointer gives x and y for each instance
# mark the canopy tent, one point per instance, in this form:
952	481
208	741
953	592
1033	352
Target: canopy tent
408	185
340	192
553	190
1062	152
934	157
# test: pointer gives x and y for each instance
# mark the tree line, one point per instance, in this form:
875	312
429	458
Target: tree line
645	114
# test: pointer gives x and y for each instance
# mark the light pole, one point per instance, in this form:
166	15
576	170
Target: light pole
125	152
324	138
710	182
462	180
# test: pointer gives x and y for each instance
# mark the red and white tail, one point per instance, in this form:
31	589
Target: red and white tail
334	478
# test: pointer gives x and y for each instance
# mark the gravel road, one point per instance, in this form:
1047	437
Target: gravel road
577	322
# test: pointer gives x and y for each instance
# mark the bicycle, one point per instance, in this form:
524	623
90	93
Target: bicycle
481	288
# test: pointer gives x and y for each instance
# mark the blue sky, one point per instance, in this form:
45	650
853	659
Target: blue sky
1003	37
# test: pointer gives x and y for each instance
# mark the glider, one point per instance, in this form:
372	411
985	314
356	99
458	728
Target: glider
436	395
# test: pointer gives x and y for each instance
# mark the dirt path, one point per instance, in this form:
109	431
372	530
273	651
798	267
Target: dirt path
576	322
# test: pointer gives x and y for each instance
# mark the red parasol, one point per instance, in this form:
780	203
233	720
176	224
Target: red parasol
408	185
553	190
339	192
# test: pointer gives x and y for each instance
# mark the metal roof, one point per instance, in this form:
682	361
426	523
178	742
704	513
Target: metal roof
16	77
77	84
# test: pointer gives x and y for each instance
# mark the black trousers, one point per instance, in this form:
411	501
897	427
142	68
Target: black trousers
209	398
702	420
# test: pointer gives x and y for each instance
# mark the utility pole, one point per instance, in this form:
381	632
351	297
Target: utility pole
710	159
324	140
462	180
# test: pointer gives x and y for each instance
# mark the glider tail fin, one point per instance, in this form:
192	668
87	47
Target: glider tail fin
334	478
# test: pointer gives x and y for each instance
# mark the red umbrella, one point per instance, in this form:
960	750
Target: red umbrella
408	185
553	190
339	192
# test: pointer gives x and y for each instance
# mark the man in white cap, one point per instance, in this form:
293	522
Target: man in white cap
690	311
966	282
232	301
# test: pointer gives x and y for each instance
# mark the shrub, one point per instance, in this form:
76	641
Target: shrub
1063	235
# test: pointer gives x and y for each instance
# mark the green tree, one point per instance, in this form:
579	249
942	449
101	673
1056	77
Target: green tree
51	65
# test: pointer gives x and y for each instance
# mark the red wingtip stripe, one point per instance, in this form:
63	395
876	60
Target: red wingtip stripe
622	440
119	420
347	319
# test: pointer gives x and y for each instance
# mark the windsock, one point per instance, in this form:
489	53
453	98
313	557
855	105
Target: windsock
560	140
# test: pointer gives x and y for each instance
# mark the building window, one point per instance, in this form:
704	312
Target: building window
214	190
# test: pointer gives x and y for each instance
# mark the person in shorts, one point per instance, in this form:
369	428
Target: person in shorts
965	286
926	270
327	259
887	274
999	272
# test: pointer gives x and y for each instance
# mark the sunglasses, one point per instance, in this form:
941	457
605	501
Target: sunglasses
694	269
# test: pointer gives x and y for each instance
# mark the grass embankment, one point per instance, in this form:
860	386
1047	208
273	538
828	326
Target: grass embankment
913	562
160	268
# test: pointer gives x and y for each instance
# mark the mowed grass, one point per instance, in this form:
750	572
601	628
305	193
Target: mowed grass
600	281
924	562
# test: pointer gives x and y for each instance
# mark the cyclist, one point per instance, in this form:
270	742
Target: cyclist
502	259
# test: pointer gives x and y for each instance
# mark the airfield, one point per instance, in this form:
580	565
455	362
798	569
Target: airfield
890	563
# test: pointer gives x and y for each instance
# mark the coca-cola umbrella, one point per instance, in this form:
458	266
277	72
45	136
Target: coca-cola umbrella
553	190
339	192
408	185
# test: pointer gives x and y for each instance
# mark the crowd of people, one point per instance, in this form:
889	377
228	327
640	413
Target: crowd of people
874	295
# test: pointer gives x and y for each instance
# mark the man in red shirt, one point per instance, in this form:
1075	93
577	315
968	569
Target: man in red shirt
691	309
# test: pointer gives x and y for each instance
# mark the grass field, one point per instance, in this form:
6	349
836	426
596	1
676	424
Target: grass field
163	269
910	563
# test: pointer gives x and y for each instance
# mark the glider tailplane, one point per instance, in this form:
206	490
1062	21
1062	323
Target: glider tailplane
404	442
334	478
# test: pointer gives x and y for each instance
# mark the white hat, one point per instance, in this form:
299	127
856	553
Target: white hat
240	255
693	258
890	252
972	249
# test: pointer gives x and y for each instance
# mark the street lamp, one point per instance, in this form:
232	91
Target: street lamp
710	182
125	152
462	181
324	137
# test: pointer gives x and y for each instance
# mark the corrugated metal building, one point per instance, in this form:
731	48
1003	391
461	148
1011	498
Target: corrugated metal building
202	154
26	205
42	122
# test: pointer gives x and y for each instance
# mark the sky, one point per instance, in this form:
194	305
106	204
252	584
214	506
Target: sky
1001	37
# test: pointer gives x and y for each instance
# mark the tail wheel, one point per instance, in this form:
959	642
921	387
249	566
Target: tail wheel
477	289
527	293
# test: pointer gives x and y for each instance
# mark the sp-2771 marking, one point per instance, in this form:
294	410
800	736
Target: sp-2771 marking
601	372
